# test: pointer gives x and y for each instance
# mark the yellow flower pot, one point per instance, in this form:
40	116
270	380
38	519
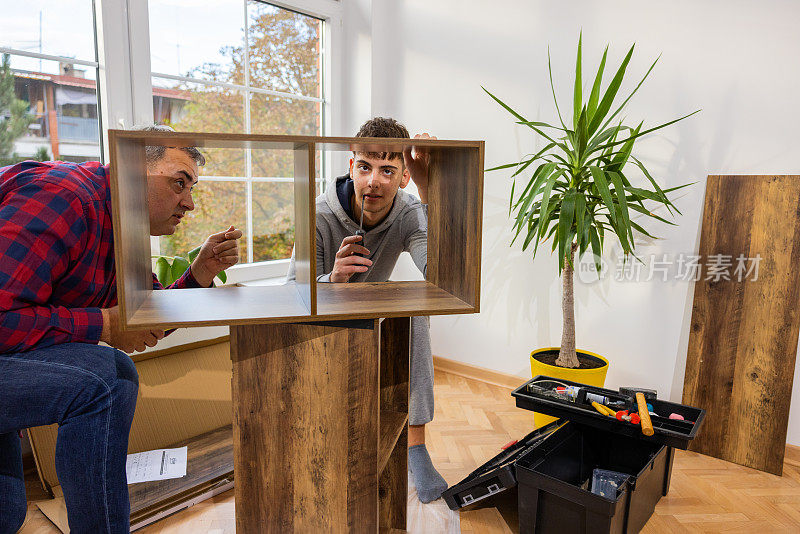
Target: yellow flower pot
592	377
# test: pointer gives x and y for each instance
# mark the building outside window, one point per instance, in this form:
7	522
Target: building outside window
59	119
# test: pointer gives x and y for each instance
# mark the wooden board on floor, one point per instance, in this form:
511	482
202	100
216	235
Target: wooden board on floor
743	338
209	464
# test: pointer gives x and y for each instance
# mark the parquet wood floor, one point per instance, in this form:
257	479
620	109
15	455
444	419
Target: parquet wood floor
474	419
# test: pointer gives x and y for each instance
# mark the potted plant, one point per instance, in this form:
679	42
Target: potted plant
576	192
169	268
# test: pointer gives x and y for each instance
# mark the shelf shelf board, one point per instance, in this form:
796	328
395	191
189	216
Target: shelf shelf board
386	299
220	306
392	425
282	304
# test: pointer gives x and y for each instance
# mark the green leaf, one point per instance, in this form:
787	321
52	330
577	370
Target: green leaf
595	95
597	249
602	137
645	211
638	193
162	270
179	266
193	254
602	186
531	234
641	230
546	198
517	115
662	192
610	94
580	210
543	125
553	89
557	157
565	220
523	167
499	167
640	134
511	198
577	95
619	191
582	133
222	276
532	126
524	195
532	191
611	118
618	162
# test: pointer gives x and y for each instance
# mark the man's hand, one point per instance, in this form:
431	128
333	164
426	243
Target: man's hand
131	341
346	264
417	165
219	252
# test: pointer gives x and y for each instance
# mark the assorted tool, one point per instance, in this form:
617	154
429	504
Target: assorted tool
632	405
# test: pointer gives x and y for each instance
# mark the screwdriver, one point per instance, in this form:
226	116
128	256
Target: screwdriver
360	230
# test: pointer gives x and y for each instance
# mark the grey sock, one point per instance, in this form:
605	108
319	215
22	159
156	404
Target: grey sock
429	482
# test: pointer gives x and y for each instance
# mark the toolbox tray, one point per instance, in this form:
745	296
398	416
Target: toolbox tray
499	473
667	431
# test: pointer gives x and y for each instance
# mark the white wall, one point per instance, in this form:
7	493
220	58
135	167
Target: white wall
737	60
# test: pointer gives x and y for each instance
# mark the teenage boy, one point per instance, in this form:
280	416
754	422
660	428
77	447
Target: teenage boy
58	299
394	222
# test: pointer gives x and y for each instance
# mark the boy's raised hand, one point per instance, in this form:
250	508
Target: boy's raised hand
416	161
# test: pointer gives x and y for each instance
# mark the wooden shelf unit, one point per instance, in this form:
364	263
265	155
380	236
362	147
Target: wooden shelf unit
454	239
320	371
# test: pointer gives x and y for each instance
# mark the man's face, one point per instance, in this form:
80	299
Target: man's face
376	183
169	190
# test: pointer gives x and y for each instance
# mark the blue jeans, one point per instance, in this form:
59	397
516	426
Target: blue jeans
90	391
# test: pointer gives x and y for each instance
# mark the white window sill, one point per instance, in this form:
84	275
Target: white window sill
251	273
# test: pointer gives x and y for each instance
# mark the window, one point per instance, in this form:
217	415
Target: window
48	75
80	67
239	66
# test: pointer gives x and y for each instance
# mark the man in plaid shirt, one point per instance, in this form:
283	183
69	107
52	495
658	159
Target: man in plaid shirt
57	301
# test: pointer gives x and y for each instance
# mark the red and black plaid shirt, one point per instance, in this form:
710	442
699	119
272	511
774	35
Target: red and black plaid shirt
56	254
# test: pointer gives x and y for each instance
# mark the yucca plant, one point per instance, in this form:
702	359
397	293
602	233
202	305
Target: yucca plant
169	268
578	190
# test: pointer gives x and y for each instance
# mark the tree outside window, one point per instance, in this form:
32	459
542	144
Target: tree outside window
269	83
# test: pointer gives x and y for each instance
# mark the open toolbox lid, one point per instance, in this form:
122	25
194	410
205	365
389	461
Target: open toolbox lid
499	473
670	432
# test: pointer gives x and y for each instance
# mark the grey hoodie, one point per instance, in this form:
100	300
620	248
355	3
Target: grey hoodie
405	228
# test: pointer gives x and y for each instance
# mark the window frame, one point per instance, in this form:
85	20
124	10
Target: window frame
125	85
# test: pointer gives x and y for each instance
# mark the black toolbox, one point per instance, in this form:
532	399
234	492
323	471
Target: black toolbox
553	467
499	473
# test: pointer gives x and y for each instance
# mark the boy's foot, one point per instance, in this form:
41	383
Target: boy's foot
429	482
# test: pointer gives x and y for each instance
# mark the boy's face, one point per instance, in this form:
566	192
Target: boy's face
376	183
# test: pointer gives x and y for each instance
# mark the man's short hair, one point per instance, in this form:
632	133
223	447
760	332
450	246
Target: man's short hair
383	127
153	154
